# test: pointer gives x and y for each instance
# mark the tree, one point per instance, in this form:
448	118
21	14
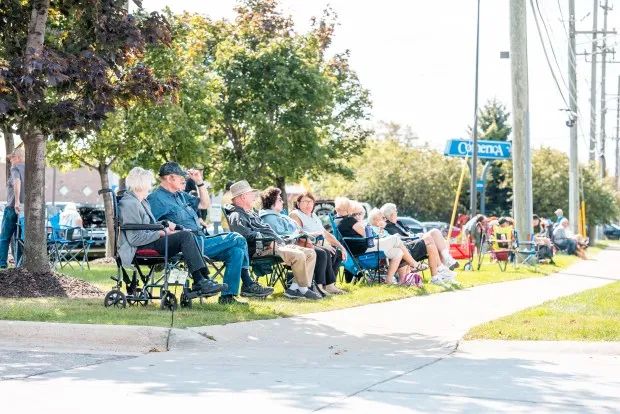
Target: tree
493	125
284	111
394	130
150	133
65	66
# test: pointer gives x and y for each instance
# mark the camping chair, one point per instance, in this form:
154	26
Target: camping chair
71	243
364	267
270	266
526	252
501	244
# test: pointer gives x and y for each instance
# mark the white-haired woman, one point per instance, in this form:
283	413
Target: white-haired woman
430	238
134	208
391	246
70	216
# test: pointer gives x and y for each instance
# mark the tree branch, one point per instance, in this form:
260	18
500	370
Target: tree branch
83	161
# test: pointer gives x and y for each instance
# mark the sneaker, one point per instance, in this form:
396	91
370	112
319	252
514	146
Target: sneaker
294	294
436	280
231	300
255	291
312	295
445	273
208	287
452	264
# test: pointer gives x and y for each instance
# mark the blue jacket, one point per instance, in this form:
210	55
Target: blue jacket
283	225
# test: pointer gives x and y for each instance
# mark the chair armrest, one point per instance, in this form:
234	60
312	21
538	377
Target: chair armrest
142	227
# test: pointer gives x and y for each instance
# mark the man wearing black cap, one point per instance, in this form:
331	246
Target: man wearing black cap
169	202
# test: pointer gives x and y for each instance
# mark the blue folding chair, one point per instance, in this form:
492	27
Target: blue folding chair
71	243
364	267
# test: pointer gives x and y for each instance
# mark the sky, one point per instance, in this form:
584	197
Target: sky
417	58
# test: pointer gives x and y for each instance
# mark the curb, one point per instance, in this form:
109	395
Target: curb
97	338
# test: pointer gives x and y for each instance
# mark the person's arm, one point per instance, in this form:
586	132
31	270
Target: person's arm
359	229
17	187
240	224
203	194
334	242
130	214
297	220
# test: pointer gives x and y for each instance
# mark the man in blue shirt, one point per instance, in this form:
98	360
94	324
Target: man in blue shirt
169	202
15	200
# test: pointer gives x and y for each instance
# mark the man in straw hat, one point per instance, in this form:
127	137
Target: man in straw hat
169	202
14	204
246	222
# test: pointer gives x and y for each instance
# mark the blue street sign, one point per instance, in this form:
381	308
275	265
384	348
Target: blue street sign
479	185
493	150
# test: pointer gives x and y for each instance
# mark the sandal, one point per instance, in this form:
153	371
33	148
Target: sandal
420	267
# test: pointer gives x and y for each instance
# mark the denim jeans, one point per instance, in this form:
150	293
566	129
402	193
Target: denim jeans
232	249
9	225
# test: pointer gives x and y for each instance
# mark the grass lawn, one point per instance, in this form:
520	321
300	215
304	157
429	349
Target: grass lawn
592	315
210	313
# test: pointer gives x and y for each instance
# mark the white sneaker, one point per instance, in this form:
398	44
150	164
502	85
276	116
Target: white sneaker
437	280
446	274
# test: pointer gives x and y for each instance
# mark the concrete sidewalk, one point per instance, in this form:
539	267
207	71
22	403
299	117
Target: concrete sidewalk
394	357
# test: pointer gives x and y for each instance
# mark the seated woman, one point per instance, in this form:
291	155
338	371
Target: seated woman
430	238
135	209
565	240
544	248
324	272
391	246
439	273
311	224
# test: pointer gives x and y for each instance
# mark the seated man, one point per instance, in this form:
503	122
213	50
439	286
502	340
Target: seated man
563	238
169	202
244	221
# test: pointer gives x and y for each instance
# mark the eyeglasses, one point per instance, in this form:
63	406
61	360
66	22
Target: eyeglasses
308	201
358	214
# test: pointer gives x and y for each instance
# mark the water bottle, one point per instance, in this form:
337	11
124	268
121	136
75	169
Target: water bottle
259	243
369	233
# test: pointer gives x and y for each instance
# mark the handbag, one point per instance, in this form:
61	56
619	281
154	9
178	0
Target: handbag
304	241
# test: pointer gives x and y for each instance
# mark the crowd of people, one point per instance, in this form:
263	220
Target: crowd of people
313	254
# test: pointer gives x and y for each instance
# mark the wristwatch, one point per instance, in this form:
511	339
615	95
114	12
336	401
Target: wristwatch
201	184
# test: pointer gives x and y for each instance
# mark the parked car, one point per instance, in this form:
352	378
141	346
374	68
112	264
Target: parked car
93	220
439	225
612	231
413	225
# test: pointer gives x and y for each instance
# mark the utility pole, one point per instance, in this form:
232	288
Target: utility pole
573	169
521	164
618	138
592	153
602	165
474	158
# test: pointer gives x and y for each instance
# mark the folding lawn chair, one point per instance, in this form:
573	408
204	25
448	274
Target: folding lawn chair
366	267
501	245
71	243
526	253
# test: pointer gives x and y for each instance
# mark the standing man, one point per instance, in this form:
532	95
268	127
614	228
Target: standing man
169	202
14	205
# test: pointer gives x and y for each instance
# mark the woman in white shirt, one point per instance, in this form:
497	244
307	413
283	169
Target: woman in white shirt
311	224
70	217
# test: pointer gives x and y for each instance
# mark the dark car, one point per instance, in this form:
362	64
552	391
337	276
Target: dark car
93	220
612	232
412	224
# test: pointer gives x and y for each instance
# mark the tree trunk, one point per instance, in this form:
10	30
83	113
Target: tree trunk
281	184
108	205
35	249
9	145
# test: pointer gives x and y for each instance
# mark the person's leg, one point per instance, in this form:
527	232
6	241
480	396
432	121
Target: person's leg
395	255
433	259
443	248
320	268
298	261
232	250
9	224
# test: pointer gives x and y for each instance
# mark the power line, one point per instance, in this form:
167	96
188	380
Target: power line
542	18
542	42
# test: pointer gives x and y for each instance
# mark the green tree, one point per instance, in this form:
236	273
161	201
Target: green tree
493	125
64	66
285	110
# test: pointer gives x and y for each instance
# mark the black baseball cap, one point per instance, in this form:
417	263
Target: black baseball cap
172	168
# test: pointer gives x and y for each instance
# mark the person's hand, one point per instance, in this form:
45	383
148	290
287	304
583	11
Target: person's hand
344	255
331	249
17	207
195	175
171	226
